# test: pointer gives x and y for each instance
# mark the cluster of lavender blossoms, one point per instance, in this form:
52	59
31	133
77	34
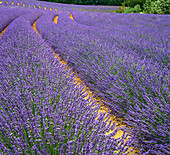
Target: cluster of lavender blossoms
42	111
123	59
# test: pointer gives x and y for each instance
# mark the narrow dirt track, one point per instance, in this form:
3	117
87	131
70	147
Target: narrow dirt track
55	20
71	17
1	33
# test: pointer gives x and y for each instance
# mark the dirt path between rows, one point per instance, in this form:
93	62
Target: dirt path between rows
103	108
1	33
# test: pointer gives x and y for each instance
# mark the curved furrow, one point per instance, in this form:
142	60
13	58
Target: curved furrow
55	54
77	79
3	31
55	20
103	109
34	27
71	16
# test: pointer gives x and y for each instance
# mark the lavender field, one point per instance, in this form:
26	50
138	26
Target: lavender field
83	80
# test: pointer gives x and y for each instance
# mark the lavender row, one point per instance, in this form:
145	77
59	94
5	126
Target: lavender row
133	85
41	110
8	15
146	35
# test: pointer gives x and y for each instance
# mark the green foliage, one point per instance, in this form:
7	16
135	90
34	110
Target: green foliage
157	6
146	6
133	3
88	2
136	9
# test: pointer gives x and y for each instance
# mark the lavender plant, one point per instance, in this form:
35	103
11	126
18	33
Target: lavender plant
41	110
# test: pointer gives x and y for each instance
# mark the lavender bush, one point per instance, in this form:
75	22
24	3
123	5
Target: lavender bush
41	110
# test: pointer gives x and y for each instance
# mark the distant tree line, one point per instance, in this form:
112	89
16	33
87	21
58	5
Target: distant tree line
89	2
